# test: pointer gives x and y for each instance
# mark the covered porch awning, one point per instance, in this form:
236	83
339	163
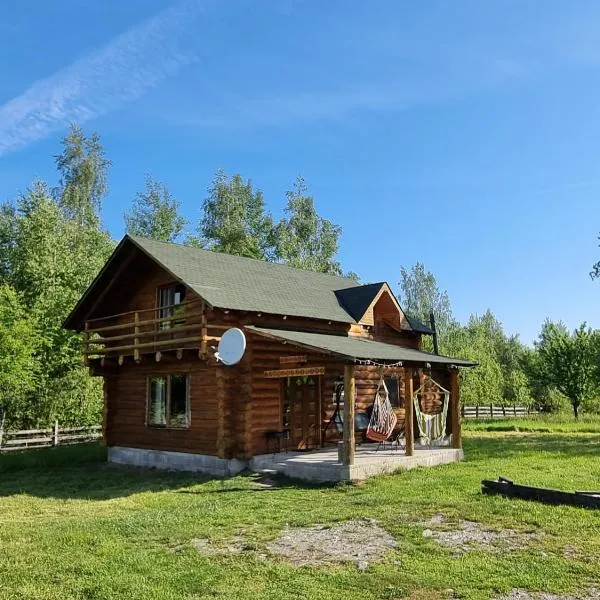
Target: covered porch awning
358	349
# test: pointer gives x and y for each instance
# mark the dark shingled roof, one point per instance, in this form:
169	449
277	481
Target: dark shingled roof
239	283
357	348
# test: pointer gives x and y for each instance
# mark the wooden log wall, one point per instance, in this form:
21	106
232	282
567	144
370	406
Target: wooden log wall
126	404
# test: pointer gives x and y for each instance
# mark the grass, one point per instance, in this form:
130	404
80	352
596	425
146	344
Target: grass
72	527
541	423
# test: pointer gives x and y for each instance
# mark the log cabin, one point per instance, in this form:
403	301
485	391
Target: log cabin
151	323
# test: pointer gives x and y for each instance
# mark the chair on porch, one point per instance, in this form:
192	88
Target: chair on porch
432	427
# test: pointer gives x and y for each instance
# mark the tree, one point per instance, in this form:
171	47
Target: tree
485	383
234	220
17	364
569	360
305	240
155	214
83	170
595	272
420	295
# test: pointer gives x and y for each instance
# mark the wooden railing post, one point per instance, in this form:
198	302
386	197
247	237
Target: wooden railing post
203	333
349	400
55	433
136	339
408	413
86	344
455	402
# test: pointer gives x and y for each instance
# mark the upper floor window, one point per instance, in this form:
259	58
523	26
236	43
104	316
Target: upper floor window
393	388
169	299
168	401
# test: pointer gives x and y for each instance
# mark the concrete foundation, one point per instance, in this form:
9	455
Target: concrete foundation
319	466
176	461
324	466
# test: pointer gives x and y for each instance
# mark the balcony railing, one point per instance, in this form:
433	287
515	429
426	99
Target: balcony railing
154	330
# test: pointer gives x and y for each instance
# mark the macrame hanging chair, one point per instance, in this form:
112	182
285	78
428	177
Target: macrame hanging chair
432	427
383	418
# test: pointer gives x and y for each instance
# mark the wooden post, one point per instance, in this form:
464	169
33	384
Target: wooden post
203	333
2	417
408	412
491	411
349	400
136	340
220	398
86	344
55	434
455	401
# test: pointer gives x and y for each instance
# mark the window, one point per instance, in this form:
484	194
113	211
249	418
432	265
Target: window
169	299
391	383
168	401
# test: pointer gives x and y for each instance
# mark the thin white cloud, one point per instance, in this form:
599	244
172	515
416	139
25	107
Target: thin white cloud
124	69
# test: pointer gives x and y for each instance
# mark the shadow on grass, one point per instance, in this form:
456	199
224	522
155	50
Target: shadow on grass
82	473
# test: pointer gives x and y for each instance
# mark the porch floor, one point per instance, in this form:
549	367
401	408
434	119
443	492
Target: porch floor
323	465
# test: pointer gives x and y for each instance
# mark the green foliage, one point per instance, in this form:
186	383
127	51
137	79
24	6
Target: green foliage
83	170
51	248
420	295
17	364
234	220
155	214
569	361
303	239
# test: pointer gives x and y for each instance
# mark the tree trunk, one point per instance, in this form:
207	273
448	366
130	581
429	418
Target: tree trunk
576	408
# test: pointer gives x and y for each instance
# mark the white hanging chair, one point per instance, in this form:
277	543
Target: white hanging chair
432	427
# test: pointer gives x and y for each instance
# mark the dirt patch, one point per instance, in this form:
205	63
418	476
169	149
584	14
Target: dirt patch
361	542
470	535
518	594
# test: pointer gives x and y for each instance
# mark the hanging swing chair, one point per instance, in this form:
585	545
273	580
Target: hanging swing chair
432	427
383	418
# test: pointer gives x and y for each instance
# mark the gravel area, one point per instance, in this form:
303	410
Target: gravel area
518	594
361	542
470	535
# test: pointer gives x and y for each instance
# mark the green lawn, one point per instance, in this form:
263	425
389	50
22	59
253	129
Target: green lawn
73	527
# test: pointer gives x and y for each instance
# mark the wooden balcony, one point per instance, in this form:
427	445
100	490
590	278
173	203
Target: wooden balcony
175	327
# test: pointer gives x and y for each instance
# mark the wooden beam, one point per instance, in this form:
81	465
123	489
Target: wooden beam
349	401
291	360
455	402
220	397
408	412
136	339
203	332
301	372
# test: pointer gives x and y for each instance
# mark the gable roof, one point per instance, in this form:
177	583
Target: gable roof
239	283
357	299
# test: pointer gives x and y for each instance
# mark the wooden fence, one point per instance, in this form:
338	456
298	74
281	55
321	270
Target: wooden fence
44	438
490	411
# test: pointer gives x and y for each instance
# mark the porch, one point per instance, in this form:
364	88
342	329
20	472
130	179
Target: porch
324	465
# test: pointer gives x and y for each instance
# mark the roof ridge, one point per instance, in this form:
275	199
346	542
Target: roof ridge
247	258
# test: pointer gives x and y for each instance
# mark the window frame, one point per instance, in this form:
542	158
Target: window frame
188	411
168	311
400	399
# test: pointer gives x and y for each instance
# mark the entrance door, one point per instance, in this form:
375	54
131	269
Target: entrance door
301	411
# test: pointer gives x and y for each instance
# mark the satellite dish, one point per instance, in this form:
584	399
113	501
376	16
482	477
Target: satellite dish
231	347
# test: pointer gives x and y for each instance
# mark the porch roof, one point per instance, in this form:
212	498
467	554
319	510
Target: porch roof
356	348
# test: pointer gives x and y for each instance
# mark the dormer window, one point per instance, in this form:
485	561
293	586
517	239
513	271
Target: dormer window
169	299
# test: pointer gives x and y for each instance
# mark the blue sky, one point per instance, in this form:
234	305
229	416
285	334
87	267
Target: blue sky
463	134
